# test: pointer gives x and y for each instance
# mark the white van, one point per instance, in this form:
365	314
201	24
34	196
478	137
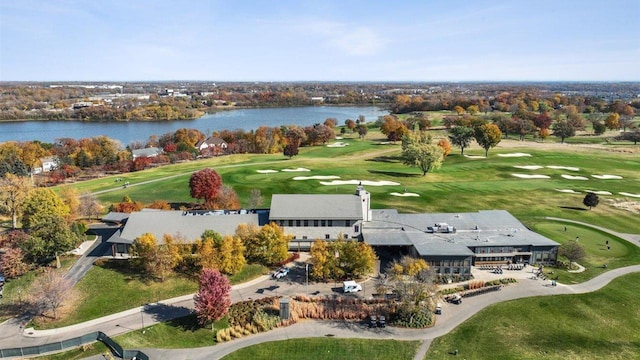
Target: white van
351	286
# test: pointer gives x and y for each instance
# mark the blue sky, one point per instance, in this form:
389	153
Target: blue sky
324	40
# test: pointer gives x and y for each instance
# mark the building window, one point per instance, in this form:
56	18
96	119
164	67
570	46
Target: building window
329	222
315	222
326	236
356	229
304	238
306	223
297	222
323	223
290	222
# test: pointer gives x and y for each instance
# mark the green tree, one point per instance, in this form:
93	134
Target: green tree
461	137
591	200
488	136
42	203
417	150
49	237
599	128
563	130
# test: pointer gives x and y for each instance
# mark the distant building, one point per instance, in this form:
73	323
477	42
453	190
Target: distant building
146	152
212	146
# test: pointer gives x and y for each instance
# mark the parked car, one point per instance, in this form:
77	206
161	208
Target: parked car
438	310
351	287
280	273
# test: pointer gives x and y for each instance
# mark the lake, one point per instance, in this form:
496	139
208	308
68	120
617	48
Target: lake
127	132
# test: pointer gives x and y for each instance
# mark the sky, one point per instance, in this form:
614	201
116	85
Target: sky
323	40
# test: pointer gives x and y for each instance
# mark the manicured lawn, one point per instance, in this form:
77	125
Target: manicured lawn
330	349
115	287
462	184
621	253
601	325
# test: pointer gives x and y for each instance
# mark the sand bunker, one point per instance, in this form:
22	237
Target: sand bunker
529	167
526	176
317	177
294	170
267	171
363	182
570	168
607	177
474	157
568	191
571	177
404	194
598	192
514	155
630	194
338	144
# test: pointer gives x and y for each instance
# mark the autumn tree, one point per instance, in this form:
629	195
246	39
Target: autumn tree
417	150
633	136
223	253
50	289
410	279
213	298
69	197
488	136
461	137
255	199
563	130
362	131
13	191
227	199
12	258
591	200
458	109
350	124
573	251
205	184
445	145
291	150
336	259
42	203
612	121
268	246
155	259
89	205
127	205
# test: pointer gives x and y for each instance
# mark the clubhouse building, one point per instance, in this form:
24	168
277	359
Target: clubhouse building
450	242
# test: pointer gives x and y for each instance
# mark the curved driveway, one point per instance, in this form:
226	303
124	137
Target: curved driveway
453	315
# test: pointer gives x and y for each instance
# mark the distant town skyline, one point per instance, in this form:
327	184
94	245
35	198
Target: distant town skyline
323	40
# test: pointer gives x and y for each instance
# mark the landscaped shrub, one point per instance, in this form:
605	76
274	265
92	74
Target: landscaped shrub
338	308
471	285
292	257
264	321
413	316
452	290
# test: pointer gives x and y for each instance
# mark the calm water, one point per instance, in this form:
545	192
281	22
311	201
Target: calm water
127	132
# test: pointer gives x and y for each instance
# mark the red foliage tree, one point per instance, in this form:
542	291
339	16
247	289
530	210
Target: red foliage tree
213	298
205	184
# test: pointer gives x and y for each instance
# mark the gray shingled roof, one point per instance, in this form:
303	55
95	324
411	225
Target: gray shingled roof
304	206
494	228
115	217
190	227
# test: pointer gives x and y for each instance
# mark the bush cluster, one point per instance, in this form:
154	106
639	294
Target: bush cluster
413	316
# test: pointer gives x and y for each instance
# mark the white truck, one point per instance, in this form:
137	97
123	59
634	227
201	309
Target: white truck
351	286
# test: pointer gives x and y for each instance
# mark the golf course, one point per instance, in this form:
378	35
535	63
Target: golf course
532	180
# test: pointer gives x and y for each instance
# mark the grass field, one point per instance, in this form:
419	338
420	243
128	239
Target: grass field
601	325
330	349
462	184
621	253
114	287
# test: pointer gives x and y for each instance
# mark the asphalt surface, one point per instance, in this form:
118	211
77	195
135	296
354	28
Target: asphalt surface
13	335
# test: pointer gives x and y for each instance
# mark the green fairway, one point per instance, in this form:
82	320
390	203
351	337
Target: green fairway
621	253
601	325
462	184
330	349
